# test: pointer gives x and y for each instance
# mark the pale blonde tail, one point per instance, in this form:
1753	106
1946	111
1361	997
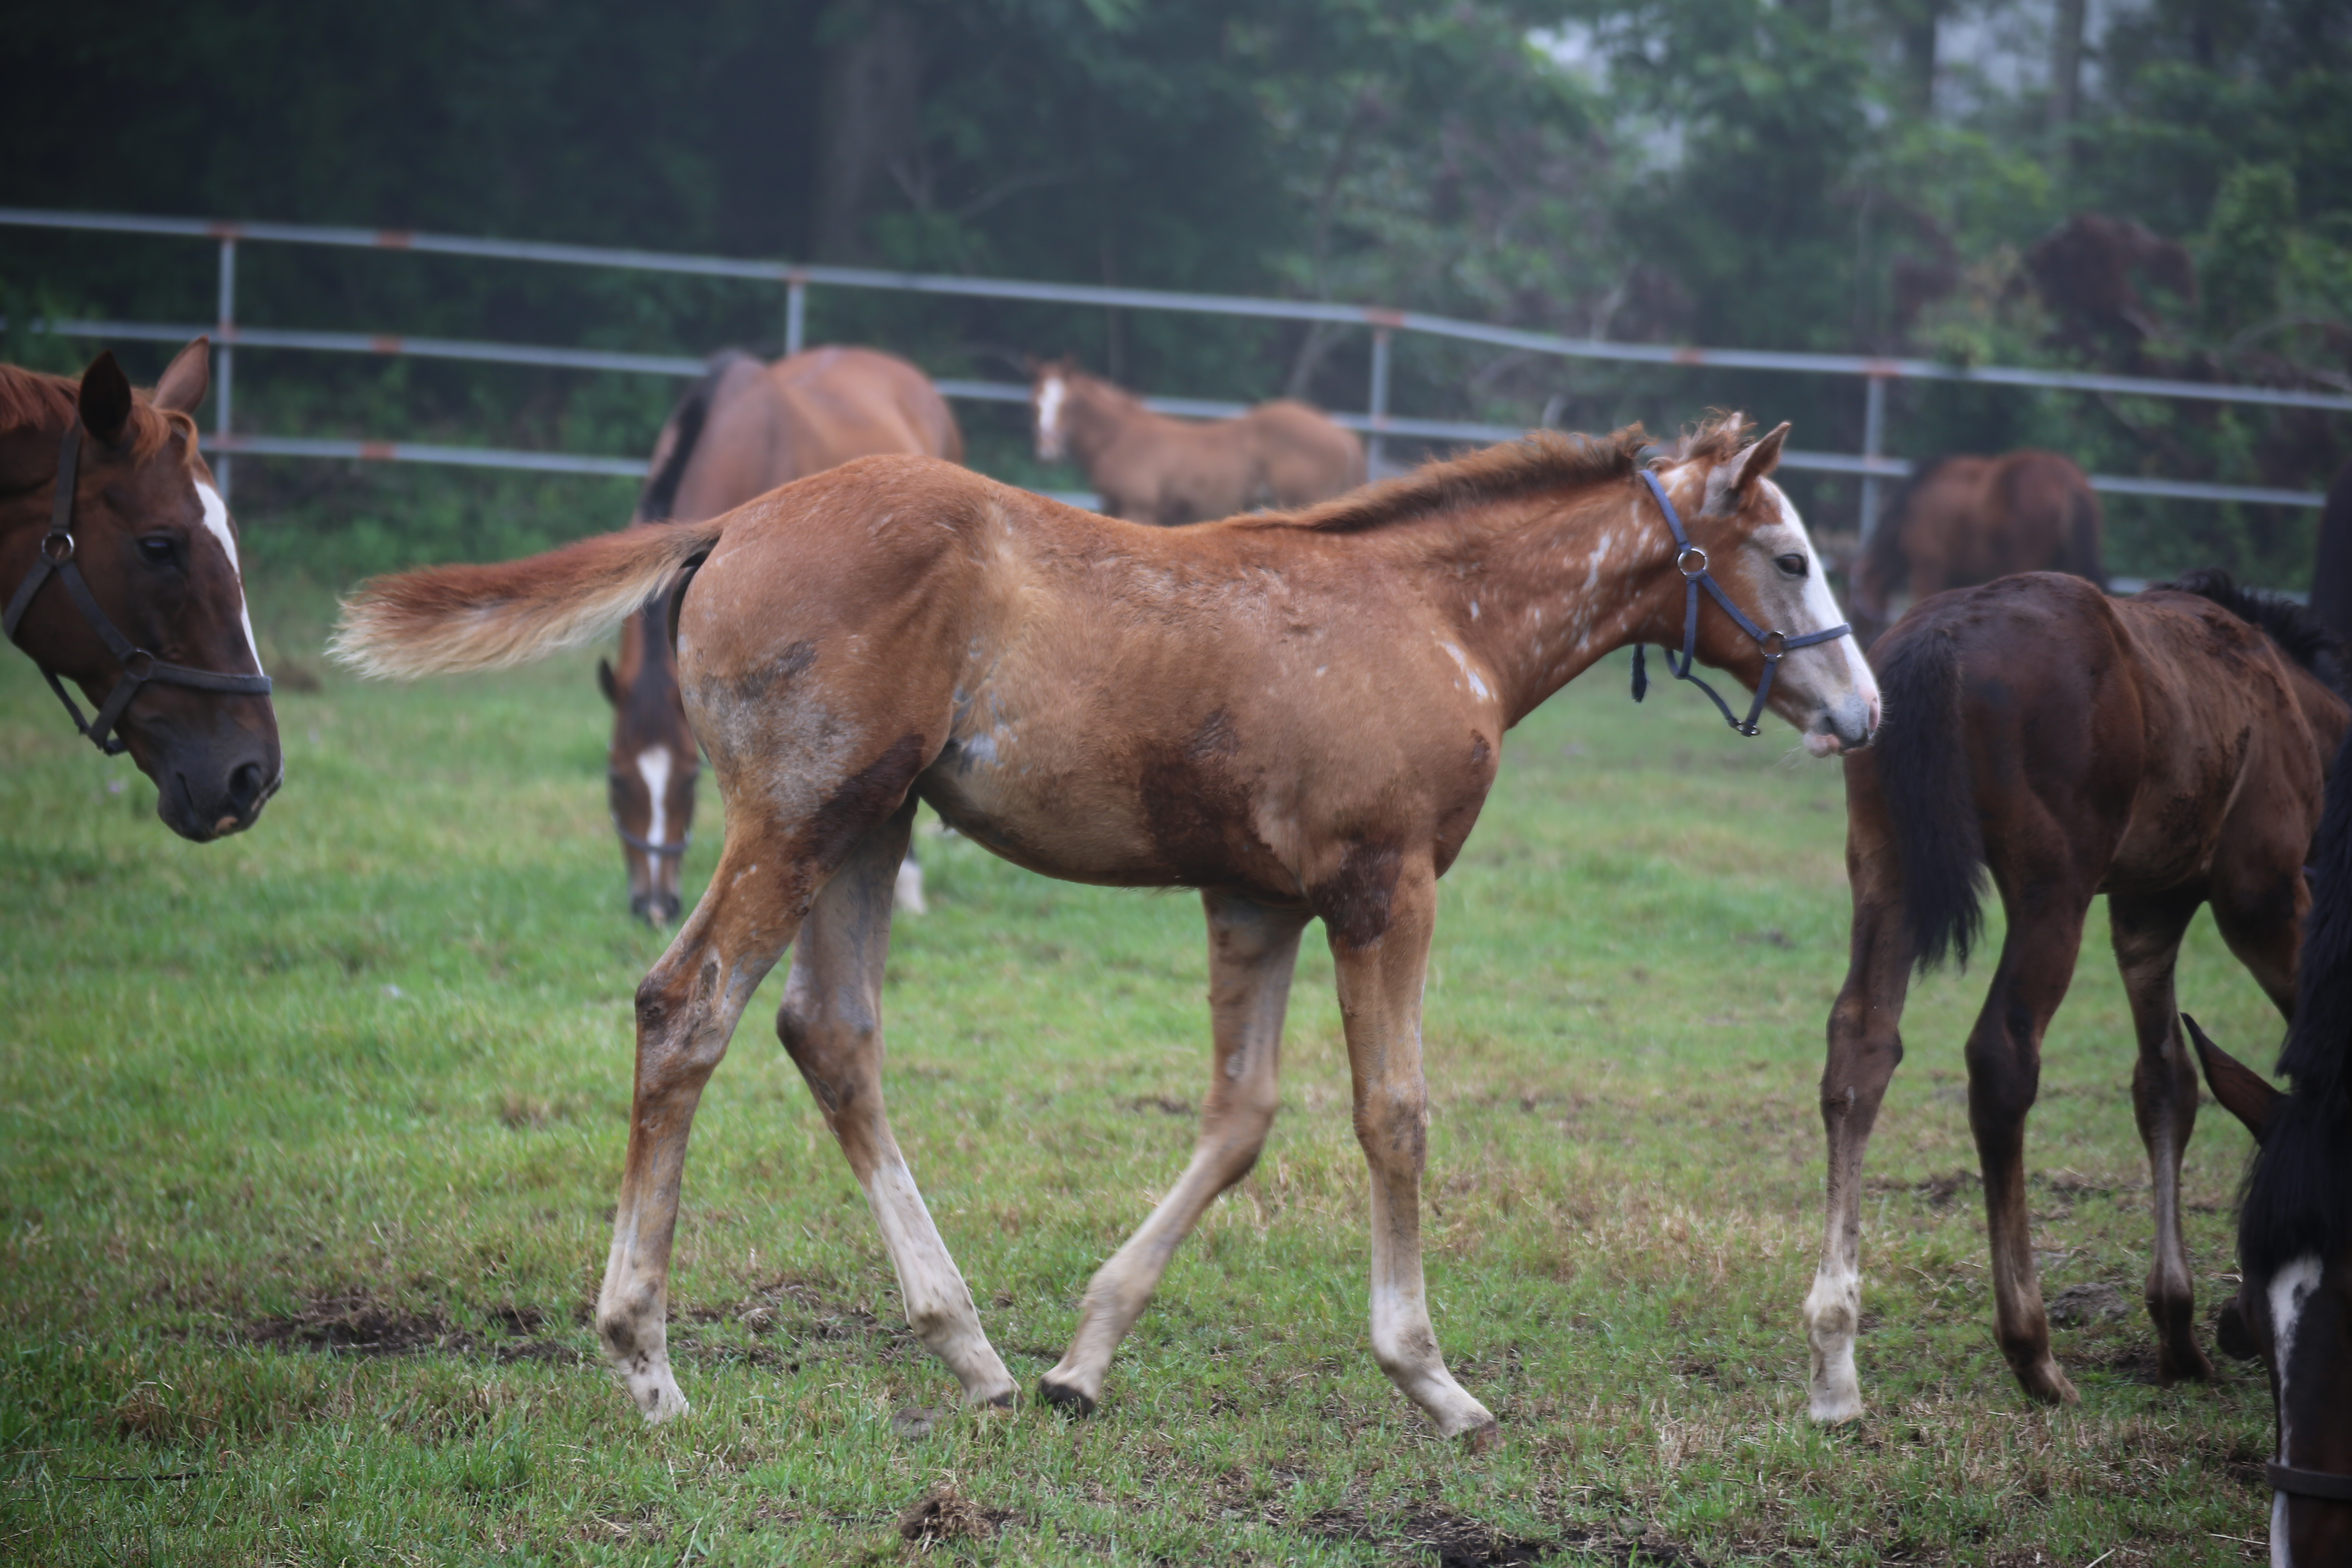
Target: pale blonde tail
446	620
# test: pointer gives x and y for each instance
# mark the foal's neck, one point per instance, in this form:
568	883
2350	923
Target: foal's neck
1542	589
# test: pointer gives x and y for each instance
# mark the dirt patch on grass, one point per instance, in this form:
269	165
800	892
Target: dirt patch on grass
357	1323
944	1514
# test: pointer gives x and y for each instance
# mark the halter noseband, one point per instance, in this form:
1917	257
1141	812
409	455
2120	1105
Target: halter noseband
2308	1483
56	558
1776	645
648	847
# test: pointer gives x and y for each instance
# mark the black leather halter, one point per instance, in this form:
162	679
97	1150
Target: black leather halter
2308	1483
648	847
1776	645
56	558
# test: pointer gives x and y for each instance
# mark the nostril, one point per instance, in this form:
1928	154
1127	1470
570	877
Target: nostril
245	785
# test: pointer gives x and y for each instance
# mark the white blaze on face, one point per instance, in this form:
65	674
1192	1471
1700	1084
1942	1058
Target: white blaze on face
653	766
216	525
1049	417
1808	607
2291	1291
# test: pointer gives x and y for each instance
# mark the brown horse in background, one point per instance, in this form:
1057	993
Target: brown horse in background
740	431
118	569
2168	750
1299	714
1962	521
1149	467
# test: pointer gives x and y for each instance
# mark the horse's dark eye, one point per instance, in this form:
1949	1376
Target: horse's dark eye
1794	565
157	550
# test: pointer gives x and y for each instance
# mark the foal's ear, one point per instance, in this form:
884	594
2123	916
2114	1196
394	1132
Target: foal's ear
105	399
2242	1091
185	381
1732	478
606	683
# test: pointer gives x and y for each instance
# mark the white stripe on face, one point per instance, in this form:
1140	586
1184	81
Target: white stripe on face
653	766
2291	1291
1049	413
216	525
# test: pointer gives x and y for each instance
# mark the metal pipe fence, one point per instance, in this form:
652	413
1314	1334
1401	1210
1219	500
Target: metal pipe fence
1871	463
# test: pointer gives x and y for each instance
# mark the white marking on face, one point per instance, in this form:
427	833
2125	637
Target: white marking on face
216	525
2291	1291
1049	415
653	766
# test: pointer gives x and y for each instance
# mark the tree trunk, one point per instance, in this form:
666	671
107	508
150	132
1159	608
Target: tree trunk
1918	33
870	131
2065	64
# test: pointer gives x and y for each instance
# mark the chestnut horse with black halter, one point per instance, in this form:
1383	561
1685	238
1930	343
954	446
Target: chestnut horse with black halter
740	431
1963	521
2168	750
118	565
1150	468
1298	714
2294	1306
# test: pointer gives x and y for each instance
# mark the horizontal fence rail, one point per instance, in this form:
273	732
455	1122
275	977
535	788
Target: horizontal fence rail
1871	465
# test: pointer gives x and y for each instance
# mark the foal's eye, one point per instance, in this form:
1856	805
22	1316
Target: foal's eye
157	550
1793	565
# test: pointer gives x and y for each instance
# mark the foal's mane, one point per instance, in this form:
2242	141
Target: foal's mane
48	403
2299	1194
2299	634
1542	460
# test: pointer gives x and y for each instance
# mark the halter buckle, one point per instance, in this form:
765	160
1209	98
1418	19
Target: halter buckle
1682	560
56	548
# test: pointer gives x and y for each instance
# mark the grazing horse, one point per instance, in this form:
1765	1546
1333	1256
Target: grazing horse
119	563
2167	749
1150	468
2294	1306
1299	714
740	431
1962	521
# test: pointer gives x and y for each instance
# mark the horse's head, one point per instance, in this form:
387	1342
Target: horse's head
2294	1305
652	767
1049	402
1750	538
146	535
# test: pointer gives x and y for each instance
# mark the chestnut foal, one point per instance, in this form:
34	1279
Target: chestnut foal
1298	714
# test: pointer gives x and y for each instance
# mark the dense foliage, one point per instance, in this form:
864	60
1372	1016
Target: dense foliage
1878	175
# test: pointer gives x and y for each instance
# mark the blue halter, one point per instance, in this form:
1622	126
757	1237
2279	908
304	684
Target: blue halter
1776	645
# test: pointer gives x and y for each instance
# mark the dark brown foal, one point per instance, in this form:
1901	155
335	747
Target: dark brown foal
2168	750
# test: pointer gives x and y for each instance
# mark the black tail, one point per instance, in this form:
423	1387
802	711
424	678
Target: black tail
686	421
1923	772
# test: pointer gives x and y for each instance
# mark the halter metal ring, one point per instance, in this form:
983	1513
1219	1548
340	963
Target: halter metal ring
1773	655
56	548
1683	562
139	665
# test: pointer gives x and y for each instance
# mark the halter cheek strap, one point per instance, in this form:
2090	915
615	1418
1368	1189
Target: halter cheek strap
56	558
1691	561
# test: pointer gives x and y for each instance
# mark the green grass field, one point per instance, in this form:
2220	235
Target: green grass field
309	1142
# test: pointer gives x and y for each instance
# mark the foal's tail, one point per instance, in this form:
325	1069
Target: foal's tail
1923	774
443	620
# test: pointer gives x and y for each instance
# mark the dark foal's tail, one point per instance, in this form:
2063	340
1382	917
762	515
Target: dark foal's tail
1923	774
659	497
2080	550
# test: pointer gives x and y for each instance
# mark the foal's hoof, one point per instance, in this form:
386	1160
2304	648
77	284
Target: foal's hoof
1066	1398
1483	1439
2045	1385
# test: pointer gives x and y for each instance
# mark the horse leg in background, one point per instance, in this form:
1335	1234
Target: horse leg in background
1252	951
831	1023
1380	946
907	887
686	1008
1866	1046
2004	1056
2147	932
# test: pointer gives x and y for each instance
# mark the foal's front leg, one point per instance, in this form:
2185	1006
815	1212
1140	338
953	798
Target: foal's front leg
686	1009
1252	952
1379	945
831	1022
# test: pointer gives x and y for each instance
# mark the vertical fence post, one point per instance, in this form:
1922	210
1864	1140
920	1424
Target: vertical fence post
224	363
1379	409
1873	430
795	313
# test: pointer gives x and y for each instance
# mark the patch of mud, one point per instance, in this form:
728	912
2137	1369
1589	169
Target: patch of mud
356	1323
2132	1362
1451	1540
944	1514
1935	1192
2078	1305
1162	1103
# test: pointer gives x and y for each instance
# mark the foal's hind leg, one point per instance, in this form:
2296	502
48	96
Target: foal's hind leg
686	1009
831	1022
1252	952
1865	1045
2147	935
2004	1055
